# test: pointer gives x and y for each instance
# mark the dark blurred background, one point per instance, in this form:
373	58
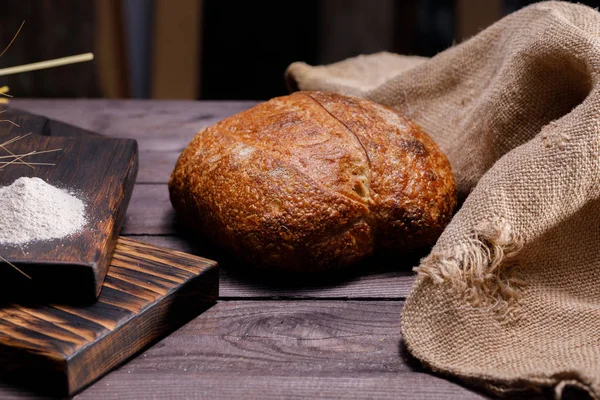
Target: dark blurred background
219	49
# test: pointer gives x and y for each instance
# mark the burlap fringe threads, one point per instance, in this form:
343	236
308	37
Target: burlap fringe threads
482	271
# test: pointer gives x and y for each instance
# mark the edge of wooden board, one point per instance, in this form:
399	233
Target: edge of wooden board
103	263
153	327
160	318
32	361
88	274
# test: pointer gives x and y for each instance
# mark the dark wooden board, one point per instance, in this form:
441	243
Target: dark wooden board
103	172
149	291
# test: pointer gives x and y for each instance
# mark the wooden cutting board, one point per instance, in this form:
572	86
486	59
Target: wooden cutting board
148	292
102	172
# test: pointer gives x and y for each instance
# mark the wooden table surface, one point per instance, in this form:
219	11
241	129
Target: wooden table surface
266	337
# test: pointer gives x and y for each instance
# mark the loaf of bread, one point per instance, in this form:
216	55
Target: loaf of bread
314	181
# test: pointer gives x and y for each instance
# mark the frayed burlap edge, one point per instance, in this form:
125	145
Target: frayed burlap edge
482	270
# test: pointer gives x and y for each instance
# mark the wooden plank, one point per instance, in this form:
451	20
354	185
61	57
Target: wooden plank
148	292
291	338
160	125
150	212
281	349
274	386
377	280
156	166
176	55
102	171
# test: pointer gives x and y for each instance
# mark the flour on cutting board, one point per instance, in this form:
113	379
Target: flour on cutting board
32	210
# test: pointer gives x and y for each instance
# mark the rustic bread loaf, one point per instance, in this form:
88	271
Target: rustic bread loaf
314	181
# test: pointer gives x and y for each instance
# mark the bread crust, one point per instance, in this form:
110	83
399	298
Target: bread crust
314	181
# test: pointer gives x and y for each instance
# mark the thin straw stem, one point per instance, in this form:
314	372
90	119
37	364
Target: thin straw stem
19	155
5	163
10	152
47	64
32	153
11	122
17	158
15	139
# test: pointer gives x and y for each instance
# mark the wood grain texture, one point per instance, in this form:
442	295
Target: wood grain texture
156	166
150	212
274	386
281	349
148	291
102	171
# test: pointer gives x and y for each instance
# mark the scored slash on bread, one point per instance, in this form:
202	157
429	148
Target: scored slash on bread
314	181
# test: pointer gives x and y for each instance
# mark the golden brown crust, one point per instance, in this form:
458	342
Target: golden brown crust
314	181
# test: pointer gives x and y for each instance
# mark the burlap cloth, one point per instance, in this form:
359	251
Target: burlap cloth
509	297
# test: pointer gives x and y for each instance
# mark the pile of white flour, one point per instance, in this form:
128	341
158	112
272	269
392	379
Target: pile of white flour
31	210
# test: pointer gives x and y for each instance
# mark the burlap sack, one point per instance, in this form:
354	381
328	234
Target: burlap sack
509	297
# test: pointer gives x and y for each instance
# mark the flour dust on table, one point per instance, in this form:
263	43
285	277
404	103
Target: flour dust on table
32	210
